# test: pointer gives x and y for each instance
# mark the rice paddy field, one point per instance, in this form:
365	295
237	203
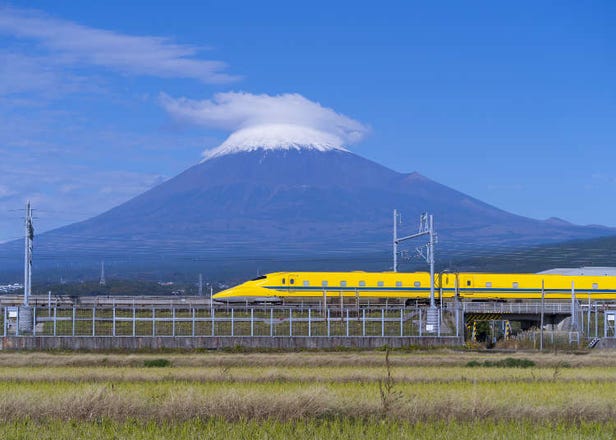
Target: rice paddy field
308	395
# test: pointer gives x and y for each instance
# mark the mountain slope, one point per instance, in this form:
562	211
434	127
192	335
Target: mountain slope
306	199
292	202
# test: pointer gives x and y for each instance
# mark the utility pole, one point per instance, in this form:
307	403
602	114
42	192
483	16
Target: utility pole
395	241
200	284
574	323
29	238
24	312
574	333
103	281
426	227
542	313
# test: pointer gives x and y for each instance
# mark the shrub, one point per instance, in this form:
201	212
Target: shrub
156	363
515	363
503	363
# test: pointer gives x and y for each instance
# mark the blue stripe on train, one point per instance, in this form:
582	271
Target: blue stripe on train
447	290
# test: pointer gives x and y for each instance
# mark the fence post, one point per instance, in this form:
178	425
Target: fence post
55	319
309	323
290	322
4	324
73	323
363	322
113	322
134	322
420	323
271	322
347	322
34	321
382	323
173	321
401	322
252	321
213	318
193	322
596	320
94	321
588	317
232	323
457	322
153	322
328	328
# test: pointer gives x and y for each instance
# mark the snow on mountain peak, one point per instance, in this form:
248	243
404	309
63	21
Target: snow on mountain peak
276	137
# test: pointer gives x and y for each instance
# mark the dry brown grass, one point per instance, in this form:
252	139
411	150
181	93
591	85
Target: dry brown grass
427	386
316	375
440	358
99	402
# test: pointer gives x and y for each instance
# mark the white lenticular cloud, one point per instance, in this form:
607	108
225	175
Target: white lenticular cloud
287	121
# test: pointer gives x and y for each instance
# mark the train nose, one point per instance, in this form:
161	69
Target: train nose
226	294
245	293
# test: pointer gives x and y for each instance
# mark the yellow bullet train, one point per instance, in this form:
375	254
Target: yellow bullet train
287	287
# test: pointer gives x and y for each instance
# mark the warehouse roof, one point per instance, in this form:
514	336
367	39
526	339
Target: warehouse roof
597	271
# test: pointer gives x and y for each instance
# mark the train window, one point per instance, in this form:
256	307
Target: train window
488	284
515	285
468	282
306	283
417	284
262	277
362	284
398	283
324	283
380	283
291	281
283	281
595	286
343	284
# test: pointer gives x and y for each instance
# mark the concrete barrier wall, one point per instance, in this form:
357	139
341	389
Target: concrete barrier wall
214	343
607	343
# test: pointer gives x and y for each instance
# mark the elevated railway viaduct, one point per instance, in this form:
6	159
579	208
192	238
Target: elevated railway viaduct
126	322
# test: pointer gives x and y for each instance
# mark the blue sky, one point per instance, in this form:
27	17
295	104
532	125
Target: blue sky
510	102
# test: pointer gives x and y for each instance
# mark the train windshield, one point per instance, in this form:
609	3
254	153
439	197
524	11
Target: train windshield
262	277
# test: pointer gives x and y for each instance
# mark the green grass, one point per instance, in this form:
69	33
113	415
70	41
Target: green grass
342	429
503	363
307	395
156	363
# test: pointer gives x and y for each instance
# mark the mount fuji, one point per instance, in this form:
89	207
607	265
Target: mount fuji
290	200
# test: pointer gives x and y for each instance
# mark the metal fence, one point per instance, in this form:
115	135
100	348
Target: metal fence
517	308
246	321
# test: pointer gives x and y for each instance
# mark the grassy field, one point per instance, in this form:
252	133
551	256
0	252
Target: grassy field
432	394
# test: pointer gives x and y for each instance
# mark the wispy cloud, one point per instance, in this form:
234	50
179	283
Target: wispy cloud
260	120
76	44
603	177
40	76
6	192
70	194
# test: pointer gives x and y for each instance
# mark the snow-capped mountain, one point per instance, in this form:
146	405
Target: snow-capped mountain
276	137
288	201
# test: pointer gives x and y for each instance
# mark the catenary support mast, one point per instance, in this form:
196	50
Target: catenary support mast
426	227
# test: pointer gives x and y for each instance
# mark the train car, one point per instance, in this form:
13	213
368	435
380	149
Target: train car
285	287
